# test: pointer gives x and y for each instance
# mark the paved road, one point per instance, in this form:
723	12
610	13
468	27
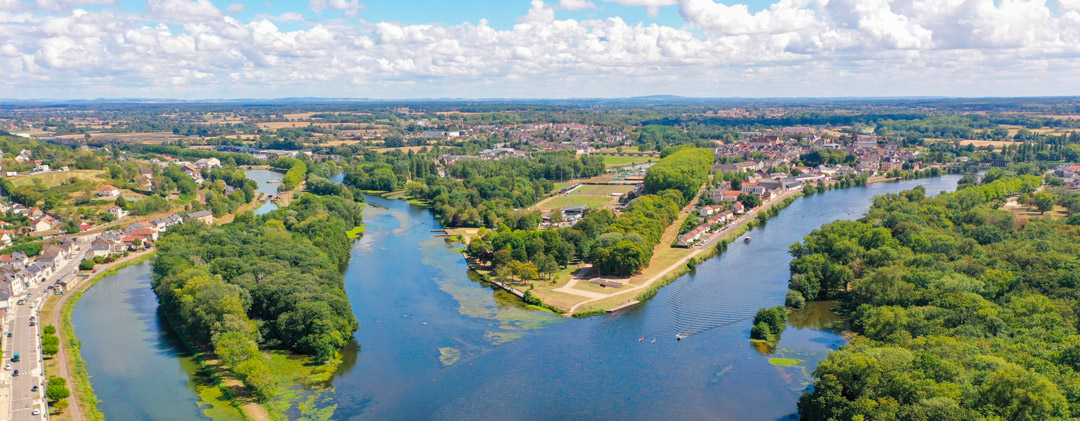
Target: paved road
26	341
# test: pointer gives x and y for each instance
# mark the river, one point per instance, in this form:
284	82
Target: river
433	343
269	182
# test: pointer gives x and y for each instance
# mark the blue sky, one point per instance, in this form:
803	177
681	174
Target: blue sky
537	48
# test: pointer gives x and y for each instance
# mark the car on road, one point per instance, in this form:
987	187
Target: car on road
34	389
33	304
15	359
7	366
37	411
9	334
15	373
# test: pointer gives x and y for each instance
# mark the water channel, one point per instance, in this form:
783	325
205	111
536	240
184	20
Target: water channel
434	343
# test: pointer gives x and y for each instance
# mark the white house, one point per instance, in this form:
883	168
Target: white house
116	211
108	191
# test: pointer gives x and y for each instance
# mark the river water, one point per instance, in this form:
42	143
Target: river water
269	182
433	343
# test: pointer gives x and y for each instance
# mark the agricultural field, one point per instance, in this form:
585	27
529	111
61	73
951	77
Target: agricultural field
54	179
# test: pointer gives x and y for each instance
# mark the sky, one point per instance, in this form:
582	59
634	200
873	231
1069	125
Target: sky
399	49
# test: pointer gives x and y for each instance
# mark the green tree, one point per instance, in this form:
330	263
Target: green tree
57	389
1044	201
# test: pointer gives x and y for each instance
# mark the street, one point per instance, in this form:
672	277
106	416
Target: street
26	341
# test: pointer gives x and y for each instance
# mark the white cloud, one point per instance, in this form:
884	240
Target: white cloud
794	47
579	4
182	11
351	8
235	8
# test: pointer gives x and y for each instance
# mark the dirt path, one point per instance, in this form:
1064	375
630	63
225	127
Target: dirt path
247	402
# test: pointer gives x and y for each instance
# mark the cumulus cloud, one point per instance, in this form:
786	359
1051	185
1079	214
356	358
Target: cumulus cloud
235	8
576	4
794	47
182	11
351	8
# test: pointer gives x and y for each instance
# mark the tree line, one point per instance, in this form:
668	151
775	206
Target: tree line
960	310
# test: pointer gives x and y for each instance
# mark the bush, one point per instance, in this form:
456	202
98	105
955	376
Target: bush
761	332
773	317
794	299
86	265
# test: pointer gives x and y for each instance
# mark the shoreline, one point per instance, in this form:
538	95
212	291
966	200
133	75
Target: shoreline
69	362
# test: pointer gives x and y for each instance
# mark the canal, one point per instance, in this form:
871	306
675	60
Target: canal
269	182
435	343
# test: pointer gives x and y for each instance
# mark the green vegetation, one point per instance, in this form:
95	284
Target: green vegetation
769	323
685	171
477	193
784	362
962	313
296	175
268	282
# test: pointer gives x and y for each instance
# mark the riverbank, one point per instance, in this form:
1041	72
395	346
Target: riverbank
68	362
647	284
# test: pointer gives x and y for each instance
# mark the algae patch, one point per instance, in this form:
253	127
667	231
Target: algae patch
449	355
784	362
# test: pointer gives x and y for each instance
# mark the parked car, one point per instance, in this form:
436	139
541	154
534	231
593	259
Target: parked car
34	389
37	411
15	373
7	366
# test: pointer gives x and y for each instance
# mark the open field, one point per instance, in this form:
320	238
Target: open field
53	179
288	124
994	143
1024	213
138	137
593	202
601	190
625	161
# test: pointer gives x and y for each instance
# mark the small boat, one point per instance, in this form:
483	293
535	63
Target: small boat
746	240
653	341
678	337
641	339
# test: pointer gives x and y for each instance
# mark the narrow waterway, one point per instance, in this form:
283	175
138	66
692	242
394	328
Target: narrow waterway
434	343
269	182
139	369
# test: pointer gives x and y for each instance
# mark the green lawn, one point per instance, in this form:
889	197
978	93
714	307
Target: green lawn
601	190
625	161
593	202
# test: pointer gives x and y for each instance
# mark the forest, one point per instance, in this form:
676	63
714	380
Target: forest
960	311
476	192
258	283
685	170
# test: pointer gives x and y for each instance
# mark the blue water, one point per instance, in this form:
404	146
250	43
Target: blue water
264	178
415	302
399	279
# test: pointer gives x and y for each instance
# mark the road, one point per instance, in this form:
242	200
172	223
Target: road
26	341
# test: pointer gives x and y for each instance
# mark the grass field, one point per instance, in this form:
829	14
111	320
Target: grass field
53	179
625	161
593	202
600	190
